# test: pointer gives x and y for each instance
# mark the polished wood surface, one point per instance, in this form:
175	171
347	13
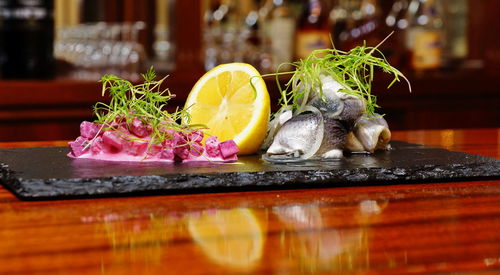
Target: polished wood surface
442	228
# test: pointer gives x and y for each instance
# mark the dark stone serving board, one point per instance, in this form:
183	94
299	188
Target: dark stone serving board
47	173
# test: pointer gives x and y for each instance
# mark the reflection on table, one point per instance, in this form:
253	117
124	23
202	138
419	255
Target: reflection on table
427	228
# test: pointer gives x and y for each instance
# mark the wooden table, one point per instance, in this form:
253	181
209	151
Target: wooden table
422	228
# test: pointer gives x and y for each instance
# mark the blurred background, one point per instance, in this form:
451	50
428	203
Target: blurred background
53	53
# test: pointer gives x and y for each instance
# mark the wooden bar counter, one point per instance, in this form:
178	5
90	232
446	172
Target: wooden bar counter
429	228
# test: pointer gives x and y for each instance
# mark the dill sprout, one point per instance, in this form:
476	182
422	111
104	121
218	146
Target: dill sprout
353	69
146	101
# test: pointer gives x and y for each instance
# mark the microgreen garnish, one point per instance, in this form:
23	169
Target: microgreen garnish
353	69
146	101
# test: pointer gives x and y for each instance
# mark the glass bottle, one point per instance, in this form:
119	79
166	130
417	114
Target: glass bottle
370	15
254	51
313	30
456	29
424	34
215	18
362	24
279	31
163	45
338	22
27	39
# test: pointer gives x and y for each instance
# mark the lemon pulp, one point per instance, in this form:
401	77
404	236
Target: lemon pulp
224	100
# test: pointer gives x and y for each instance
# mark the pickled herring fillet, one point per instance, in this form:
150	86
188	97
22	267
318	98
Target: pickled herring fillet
338	84
299	138
369	134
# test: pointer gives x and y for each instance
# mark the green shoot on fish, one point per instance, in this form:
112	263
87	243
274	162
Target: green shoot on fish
353	69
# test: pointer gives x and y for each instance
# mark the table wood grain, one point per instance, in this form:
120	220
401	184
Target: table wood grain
450	227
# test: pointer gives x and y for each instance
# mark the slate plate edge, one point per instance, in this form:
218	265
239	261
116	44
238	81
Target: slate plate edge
43	189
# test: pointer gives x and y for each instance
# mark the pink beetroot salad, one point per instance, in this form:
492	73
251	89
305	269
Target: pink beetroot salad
135	126
122	141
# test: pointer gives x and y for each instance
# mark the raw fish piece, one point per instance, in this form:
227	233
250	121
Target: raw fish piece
328	83
299	138
333	139
328	100
372	133
352	143
331	106
346	107
354	108
334	114
275	124
285	116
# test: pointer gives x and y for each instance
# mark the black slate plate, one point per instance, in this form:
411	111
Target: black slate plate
47	173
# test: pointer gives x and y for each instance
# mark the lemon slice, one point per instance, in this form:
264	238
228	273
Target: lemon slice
231	237
226	103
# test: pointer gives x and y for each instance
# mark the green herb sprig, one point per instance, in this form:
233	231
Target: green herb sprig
146	101
353	69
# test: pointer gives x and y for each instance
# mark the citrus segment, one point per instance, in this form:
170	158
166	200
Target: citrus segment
213	98
230	107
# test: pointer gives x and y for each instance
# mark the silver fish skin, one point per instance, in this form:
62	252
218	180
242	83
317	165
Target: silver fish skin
334	139
330	106
354	109
299	137
337	104
372	133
